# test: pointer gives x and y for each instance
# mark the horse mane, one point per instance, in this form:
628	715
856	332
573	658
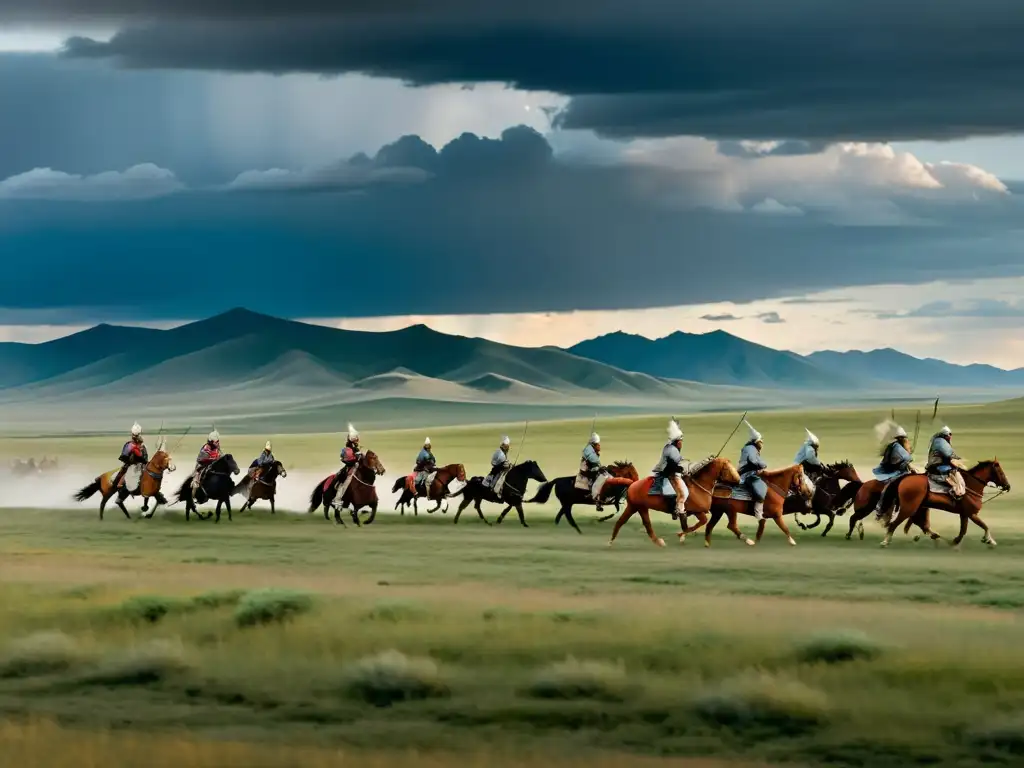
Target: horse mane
622	464
982	465
838	465
700	465
780	471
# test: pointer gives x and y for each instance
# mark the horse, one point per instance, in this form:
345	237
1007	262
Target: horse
48	464
262	487
916	498
215	484
781	483
438	490
149	485
21	468
622	474
830	499
513	491
360	492
700	479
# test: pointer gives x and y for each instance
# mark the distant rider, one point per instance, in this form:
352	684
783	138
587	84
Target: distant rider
262	462
134	452
944	462
499	466
668	471
351	455
208	454
895	463
425	464
751	467
591	469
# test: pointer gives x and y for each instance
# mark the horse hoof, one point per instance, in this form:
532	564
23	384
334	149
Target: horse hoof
884	544
792	542
610	542
749	542
682	538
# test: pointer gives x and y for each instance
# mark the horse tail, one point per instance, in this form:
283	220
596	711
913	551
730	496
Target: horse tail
90	490
846	496
889	498
184	491
458	492
316	498
543	493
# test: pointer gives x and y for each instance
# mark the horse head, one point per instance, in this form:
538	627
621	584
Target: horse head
726	471
370	461
460	473
842	470
624	469
229	462
991	472
161	462
277	469
532	471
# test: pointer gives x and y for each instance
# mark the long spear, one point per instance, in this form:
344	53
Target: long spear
521	441
731	434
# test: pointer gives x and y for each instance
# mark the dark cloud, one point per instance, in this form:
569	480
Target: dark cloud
810	300
976	308
770	317
802	69
487	226
788	148
719	318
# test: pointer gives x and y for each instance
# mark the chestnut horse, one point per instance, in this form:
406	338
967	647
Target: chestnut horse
623	473
700	480
262	485
149	485
438	490
360	492
781	484
916	498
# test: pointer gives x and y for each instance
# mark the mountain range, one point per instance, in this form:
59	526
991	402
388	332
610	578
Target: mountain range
243	362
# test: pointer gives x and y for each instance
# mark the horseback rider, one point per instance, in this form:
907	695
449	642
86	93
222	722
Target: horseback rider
669	470
500	465
262	462
425	464
751	468
896	460
133	453
350	456
807	456
591	471
944	463
208	454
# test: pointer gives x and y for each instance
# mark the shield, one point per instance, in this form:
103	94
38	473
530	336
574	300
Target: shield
133	478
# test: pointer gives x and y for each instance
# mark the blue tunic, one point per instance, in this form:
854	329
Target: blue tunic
941	456
424	459
591	457
265	459
895	463
670	463
807	454
750	464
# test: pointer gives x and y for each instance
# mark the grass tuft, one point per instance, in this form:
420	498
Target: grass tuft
391	677
837	647
155	662
572	679
213	600
758	700
148	608
1005	734
269	606
43	653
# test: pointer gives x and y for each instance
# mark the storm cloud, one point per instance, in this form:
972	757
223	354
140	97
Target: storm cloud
503	225
744	69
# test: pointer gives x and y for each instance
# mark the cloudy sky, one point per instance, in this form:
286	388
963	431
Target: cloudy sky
803	174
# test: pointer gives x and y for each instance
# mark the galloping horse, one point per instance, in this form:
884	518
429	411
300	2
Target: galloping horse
215	485
149	485
512	492
622	475
781	483
262	487
916	497
700	480
438	490
360	492
830	499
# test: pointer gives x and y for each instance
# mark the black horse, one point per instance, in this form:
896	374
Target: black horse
216	485
830	498
569	495
512	492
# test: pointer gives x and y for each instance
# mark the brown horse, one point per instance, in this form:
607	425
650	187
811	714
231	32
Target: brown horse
700	481
623	474
360	492
438	490
782	484
261	484
916	498
149	485
830	498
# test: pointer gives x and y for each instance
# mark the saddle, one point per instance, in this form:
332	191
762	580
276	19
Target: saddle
951	485
410	482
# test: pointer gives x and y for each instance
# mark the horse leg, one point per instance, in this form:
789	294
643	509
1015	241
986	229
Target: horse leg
831	522
373	513
567	511
781	522
121	496
715	517
436	506
504	512
519	511
988	538
355	516
217	520
734	526
415	506
855	518
227	503
626	514
645	518
480	512
964	519
273	507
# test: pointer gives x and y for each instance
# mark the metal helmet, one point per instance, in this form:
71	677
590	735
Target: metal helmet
946	432
595	438
812	438
755	436
267	446
352	433
505	441
426	442
214	437
674	432
136	430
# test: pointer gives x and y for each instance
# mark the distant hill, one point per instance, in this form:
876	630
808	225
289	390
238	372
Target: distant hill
242	349
721	358
711	358
893	366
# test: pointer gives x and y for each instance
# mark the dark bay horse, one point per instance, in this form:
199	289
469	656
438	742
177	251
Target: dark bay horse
622	474
149	485
215	485
263	486
512	492
830	498
781	483
700	480
360	492
915	499
438	490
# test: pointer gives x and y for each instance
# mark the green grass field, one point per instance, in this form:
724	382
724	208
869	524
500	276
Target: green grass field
291	641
